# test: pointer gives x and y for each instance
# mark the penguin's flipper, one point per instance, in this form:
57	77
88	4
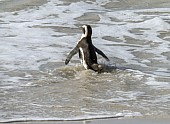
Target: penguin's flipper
101	53
71	54
80	56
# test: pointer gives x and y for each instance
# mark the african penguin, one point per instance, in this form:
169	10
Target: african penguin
87	51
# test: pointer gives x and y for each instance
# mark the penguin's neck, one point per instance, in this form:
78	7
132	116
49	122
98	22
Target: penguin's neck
89	39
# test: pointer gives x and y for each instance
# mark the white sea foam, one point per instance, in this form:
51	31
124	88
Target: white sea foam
158	84
80	118
33	37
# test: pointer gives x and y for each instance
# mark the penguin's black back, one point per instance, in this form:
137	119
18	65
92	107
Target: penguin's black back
88	50
92	51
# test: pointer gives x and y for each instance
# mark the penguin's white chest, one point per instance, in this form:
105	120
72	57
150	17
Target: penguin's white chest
84	62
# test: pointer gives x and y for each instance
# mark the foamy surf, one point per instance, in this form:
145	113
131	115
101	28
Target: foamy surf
36	40
81	118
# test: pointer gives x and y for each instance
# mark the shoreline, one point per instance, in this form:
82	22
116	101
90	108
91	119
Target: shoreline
102	121
17	5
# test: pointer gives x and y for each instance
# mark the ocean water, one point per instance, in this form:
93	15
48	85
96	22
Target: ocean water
35	41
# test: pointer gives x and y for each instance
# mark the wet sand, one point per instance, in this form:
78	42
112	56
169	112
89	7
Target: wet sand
107	121
136	4
16	5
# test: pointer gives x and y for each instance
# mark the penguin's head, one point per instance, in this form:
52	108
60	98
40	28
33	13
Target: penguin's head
87	30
